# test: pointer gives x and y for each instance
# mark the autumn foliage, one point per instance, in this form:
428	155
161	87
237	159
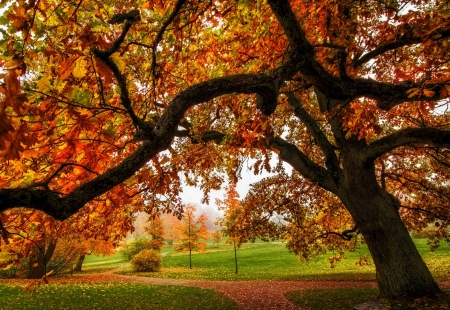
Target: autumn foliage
192	232
107	107
147	260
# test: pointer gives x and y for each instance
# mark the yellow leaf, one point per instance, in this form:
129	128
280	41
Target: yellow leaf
44	84
80	68
49	273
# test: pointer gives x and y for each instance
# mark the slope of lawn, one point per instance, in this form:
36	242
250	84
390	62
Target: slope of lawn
271	261
115	296
98	264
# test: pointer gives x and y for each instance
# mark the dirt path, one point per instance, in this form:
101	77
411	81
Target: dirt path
249	295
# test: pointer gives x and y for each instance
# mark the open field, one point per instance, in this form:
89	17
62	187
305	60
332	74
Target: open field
257	261
271	261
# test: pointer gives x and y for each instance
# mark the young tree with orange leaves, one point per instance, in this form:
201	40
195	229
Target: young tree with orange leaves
216	237
124	97
155	229
232	224
192	233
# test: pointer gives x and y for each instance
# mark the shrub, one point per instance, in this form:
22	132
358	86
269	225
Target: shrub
135	246
429	232
147	260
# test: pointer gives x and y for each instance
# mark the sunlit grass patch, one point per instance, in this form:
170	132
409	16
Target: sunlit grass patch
272	261
258	261
112	296
99	264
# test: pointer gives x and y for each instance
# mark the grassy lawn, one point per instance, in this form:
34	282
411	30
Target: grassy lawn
257	261
112	296
271	261
98	264
346	298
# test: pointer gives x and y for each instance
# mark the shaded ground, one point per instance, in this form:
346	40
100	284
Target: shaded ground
248	294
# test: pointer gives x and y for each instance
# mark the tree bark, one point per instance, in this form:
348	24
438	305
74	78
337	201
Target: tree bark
38	267
400	270
80	261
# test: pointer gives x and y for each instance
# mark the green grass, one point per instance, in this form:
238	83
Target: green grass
112	296
437	261
99	264
258	261
271	261
346	298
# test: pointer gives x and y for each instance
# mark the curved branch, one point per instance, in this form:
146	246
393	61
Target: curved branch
303	52
122	83
401	42
155	141
345	235
300	162
331	160
420	210
160	33
431	136
387	95
129	18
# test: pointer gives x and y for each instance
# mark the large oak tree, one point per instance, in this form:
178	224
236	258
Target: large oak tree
125	97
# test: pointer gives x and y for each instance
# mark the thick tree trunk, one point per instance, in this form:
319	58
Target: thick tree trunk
80	261
400	270
38	267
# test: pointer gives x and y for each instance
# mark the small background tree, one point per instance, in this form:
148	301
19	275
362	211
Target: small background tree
192	232
229	223
217	237
170	223
155	229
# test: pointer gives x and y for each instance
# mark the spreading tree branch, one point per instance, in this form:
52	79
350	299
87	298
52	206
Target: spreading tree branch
404	40
159	139
161	31
129	19
300	162
346	235
331	160
431	136
387	95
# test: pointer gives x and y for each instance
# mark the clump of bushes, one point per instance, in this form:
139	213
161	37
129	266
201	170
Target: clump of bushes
134	247
429	232
147	260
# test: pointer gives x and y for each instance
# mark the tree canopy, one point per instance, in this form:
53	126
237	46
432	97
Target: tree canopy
112	103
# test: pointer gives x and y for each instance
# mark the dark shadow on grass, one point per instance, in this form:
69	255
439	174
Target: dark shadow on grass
347	298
